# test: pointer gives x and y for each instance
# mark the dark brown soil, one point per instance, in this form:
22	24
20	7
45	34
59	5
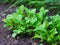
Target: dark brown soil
5	34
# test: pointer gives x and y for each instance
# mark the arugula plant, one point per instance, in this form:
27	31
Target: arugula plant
49	30
55	22
25	20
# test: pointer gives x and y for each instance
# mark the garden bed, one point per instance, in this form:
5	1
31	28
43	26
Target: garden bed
5	34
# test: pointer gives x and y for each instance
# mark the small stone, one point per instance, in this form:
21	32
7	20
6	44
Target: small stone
10	10
15	42
34	44
8	36
3	14
0	16
18	38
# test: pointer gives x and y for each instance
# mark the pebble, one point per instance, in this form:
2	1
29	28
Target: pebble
15	42
3	14
10	10
8	36
34	44
0	17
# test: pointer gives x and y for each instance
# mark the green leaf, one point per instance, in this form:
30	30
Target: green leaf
54	43
33	20
58	26
17	31
49	39
41	28
29	31
53	32
31	12
40	16
10	16
20	10
36	36
41	44
27	19
46	11
10	28
45	24
42	9
4	20
58	37
14	35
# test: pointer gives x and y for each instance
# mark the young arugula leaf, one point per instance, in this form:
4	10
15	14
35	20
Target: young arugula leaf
20	10
14	35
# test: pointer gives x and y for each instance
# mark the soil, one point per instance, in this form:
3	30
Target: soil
5	34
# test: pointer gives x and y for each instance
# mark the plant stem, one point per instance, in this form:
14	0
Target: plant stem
54	43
